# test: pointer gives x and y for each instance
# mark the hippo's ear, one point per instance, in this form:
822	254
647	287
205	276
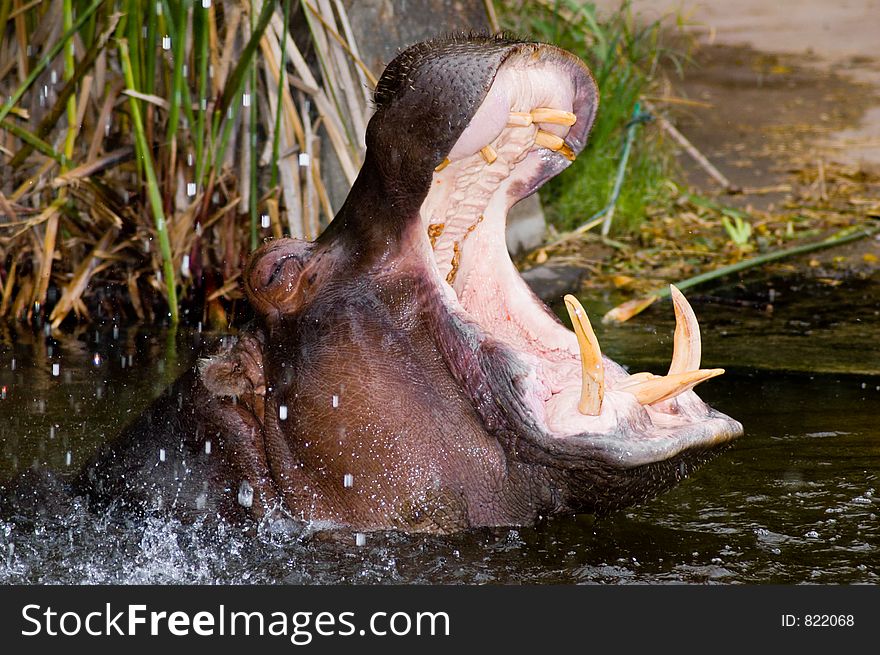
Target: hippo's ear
274	276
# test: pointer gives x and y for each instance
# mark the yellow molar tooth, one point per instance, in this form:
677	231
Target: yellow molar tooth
551	115
519	119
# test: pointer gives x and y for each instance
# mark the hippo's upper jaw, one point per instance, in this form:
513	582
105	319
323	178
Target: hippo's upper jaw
456	398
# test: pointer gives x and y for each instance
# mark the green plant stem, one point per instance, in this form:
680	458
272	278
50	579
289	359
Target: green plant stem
32	141
5	10
838	239
252	136
276	137
177	26
621	169
200	24
150	48
153	192
233	82
228	124
69	69
51	118
46	59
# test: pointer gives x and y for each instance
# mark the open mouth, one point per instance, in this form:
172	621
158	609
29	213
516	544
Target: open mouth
531	125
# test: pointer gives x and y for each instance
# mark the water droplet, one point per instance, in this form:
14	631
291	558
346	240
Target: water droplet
265	221
68	458
53	77
191	189
56	370
161	454
12	364
185	70
348	480
334	401
245	494
51	431
304	159
360	539
246	99
189	159
199	327
282	412
208	447
184	266
166	42
115	331
206	4
96	360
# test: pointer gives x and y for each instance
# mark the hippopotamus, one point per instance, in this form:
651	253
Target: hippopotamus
399	373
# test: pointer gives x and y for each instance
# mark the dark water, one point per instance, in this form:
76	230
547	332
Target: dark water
795	500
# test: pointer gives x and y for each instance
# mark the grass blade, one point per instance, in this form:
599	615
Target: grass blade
145	154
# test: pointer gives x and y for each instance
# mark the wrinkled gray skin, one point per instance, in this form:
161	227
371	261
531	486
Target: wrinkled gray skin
358	368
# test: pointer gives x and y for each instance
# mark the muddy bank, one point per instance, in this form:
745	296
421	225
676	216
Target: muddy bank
761	117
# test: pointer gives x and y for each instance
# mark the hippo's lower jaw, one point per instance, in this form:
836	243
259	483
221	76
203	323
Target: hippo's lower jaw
556	389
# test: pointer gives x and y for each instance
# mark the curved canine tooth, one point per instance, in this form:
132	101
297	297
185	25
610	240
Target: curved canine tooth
664	387
567	152
519	119
489	153
443	164
687	346
592	370
548	140
551	115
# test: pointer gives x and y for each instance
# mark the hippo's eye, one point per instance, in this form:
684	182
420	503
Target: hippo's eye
278	268
276	272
